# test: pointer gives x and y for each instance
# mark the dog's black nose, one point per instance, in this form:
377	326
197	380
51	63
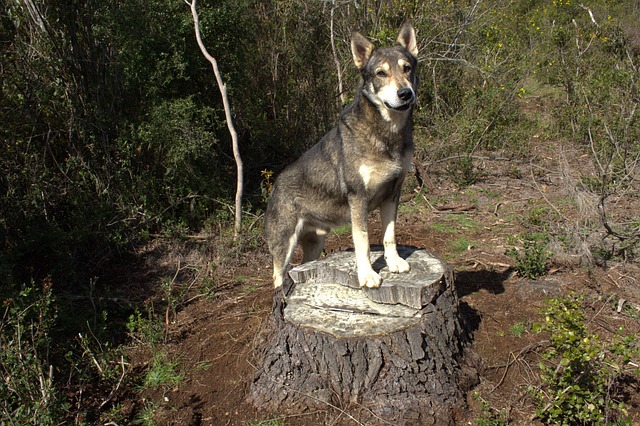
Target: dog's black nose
405	94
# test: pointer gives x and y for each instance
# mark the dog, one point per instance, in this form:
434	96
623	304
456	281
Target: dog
357	167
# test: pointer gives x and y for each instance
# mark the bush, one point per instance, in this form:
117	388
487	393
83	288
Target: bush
531	261
27	390
582	373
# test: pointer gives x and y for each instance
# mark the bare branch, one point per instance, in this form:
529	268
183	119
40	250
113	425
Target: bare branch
590	14
334	5
227	113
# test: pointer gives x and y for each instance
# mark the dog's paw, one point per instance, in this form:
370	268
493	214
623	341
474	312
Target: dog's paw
397	265
369	279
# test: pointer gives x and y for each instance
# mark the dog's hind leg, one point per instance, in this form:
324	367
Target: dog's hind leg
312	242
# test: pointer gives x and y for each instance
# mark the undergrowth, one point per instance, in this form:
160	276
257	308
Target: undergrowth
532	259
582	373
28	394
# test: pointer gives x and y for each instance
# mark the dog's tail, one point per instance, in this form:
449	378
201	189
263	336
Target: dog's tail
282	230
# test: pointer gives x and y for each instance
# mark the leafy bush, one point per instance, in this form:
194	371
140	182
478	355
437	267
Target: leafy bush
531	260
145	330
582	373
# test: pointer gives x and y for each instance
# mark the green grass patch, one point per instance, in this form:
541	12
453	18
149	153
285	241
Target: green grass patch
249	288
518	329
489	416
442	227
267	422
460	245
342	230
145	416
163	371
465	221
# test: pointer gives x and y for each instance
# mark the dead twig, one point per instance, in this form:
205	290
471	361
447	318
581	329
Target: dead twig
533	178
516	358
115	389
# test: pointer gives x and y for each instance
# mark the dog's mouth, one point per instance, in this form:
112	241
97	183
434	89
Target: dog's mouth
402	107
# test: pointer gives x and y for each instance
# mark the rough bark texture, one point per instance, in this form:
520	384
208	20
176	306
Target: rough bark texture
416	375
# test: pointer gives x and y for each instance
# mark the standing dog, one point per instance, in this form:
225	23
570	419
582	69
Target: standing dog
355	168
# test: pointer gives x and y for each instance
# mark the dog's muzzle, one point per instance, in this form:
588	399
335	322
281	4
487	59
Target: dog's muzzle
407	96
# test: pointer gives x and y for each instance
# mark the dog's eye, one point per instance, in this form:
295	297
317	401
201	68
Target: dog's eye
407	68
381	73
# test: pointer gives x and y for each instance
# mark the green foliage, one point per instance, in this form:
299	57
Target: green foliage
113	131
460	245
463	173
146	414
266	184
146	330
163	372
518	329
582	372
489	416
531	260
267	422
28	394
342	230
590	51
538	217
476	89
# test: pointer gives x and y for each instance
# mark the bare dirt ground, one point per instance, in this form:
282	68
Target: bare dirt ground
216	338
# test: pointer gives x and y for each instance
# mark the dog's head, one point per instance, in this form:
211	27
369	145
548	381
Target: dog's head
389	74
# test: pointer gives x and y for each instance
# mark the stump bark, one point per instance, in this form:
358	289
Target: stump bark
399	353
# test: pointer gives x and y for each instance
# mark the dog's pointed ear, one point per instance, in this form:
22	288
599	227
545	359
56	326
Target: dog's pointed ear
407	39
361	48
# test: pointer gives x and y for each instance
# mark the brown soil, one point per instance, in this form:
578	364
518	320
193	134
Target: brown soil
216	339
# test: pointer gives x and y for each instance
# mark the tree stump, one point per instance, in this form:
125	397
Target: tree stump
398	352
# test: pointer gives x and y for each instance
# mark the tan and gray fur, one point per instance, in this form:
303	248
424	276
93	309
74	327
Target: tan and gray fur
358	166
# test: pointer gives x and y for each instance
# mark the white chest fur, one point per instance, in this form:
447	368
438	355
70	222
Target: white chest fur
377	174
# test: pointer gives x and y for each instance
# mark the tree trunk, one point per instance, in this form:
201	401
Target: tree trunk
404	361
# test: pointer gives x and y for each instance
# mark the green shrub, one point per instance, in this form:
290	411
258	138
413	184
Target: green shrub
463	173
146	330
28	394
582	373
531	261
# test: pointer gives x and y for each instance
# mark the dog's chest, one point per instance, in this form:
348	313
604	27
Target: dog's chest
379	174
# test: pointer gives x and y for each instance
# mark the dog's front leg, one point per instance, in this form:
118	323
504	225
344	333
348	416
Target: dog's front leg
388	214
367	277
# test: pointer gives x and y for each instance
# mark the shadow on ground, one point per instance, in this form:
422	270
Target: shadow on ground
468	282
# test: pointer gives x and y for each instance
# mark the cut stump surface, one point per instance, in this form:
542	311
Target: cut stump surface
394	354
